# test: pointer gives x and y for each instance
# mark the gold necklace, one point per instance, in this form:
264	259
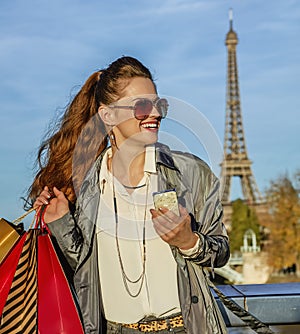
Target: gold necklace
125	277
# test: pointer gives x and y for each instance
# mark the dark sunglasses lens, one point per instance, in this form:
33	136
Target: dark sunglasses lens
162	107
143	109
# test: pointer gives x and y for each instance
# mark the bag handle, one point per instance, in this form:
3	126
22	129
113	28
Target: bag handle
19	219
38	218
40	222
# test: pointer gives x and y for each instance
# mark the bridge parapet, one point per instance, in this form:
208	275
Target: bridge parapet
277	305
236	260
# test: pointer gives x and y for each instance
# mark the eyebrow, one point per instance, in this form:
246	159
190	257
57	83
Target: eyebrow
146	98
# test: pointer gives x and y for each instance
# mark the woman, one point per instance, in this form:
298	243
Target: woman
136	268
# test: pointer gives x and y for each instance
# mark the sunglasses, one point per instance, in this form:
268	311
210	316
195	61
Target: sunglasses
143	108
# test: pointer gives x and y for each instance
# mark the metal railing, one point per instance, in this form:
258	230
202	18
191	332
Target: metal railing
277	305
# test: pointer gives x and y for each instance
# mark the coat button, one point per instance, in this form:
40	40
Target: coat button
195	299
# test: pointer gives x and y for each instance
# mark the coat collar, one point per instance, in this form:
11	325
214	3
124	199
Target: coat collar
164	156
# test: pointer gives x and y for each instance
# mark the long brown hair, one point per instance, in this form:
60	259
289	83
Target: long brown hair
65	156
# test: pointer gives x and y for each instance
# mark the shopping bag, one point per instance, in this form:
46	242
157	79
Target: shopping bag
19	313
39	298
7	271
9	235
57	312
12	240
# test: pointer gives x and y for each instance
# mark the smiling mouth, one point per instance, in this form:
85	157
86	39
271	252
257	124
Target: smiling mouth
152	125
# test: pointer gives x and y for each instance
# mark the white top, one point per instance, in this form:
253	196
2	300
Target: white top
159	294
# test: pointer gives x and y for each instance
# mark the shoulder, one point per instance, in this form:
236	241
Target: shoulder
183	161
186	158
91	180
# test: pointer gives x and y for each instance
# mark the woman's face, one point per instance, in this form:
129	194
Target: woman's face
127	128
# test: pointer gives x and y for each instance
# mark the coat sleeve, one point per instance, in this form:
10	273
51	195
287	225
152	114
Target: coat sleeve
213	250
69	238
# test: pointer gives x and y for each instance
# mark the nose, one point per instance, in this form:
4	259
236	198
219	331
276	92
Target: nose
154	112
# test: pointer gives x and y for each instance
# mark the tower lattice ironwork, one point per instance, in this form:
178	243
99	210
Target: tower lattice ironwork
235	162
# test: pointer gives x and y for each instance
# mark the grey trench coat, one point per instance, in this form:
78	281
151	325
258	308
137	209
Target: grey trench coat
198	190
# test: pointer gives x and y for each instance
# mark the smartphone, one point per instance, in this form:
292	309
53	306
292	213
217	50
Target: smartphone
167	199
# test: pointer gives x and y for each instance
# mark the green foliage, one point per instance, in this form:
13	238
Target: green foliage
243	218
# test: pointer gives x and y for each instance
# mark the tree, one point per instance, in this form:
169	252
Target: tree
283	223
243	218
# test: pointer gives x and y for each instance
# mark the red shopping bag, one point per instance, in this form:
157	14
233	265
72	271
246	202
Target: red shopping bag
19	312
57	312
7	270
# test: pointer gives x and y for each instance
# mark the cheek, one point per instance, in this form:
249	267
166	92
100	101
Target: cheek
129	127
123	116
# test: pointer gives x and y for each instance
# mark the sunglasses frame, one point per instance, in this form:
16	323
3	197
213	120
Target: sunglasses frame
154	104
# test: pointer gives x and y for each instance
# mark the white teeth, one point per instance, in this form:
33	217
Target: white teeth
149	125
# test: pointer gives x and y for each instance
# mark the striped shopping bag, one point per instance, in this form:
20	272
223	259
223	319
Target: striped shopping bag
19	312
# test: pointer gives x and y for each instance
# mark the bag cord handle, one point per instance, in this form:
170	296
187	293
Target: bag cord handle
40	222
19	219
38	218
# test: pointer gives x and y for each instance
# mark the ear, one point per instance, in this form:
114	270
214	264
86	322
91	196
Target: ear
107	115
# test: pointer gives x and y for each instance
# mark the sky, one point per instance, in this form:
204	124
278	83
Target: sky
49	48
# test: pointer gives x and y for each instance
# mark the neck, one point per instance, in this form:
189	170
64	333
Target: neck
127	164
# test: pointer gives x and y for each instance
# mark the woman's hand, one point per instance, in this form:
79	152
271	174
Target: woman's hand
57	204
173	229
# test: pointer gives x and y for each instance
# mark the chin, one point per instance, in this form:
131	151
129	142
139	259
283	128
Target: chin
144	139
151	139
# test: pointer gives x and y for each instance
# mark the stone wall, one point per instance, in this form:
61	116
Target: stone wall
255	268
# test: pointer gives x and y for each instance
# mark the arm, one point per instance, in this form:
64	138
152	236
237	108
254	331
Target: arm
213	250
69	238
62	224
205	243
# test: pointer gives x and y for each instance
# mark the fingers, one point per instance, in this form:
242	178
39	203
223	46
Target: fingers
56	201
162	225
182	210
58	193
170	215
164	221
173	229
45	196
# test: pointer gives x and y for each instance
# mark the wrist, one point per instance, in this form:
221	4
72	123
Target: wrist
195	251
191	243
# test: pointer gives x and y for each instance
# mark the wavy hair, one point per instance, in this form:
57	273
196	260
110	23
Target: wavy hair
67	154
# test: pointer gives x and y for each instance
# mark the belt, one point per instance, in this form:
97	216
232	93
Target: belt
156	325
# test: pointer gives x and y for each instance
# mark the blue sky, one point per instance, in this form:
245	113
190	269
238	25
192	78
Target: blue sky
49	48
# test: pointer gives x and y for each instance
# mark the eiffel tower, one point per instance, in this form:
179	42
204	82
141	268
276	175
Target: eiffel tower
235	162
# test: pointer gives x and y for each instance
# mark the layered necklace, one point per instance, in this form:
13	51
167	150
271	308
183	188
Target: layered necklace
141	277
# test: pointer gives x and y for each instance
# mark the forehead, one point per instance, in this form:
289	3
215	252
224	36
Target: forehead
138	86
